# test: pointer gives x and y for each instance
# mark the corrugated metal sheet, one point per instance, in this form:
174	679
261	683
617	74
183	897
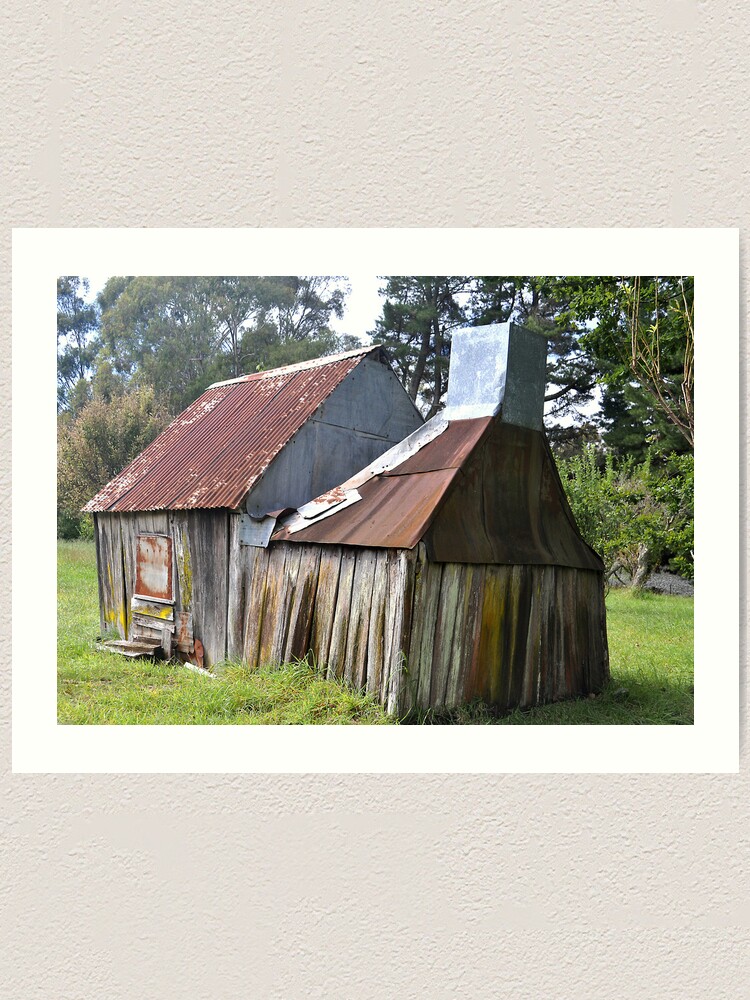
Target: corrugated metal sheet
398	505
212	453
482	492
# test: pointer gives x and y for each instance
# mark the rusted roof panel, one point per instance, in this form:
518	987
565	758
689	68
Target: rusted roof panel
509	508
393	513
482	491
448	451
215	451
398	505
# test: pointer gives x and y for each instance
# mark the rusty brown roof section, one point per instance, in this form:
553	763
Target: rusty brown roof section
398	506
482	491
216	450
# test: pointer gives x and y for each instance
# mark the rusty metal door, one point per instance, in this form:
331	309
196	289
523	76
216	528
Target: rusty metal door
153	574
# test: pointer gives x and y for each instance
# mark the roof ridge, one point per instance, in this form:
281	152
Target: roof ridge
327	359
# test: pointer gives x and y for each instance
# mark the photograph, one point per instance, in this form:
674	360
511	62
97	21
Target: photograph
375	499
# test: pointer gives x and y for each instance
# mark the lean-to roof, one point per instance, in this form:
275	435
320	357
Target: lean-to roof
475	491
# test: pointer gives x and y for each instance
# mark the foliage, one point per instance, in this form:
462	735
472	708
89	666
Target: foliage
418	316
650	644
631	427
633	513
641	333
180	334
77	323
107	434
540	303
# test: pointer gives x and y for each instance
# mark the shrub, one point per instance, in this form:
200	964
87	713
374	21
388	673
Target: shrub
95	446
634	515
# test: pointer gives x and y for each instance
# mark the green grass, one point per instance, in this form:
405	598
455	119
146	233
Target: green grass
98	687
651	656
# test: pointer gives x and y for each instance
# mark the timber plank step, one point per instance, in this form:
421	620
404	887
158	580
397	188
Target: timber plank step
141	647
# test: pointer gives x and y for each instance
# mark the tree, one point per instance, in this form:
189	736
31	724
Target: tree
631	426
180	334
641	333
159	332
418	316
540	303
635	515
96	446
77	325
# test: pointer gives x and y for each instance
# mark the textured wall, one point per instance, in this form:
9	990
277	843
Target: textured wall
459	113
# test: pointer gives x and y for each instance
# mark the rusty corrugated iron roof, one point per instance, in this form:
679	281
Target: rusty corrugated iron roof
481	491
398	504
216	450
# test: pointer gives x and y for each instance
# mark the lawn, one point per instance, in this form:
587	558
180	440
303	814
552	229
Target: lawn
651	655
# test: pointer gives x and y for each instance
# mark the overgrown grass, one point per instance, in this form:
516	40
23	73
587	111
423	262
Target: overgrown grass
651	654
99	688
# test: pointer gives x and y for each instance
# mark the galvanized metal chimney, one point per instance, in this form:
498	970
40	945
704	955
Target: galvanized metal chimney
498	369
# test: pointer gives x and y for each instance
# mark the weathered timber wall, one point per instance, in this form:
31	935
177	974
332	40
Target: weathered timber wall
510	635
414	633
348	608
418	634
200	553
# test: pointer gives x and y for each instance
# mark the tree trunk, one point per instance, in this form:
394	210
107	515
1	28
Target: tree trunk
642	569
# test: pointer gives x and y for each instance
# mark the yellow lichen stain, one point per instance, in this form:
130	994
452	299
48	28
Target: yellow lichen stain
109	614
163	612
186	576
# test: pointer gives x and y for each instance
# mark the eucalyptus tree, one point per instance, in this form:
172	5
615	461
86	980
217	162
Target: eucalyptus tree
77	328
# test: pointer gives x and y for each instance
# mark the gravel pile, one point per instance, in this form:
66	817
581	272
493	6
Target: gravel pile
662	582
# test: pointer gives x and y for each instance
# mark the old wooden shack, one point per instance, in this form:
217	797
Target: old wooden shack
174	526
449	569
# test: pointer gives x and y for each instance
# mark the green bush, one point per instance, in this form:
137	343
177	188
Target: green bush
636	516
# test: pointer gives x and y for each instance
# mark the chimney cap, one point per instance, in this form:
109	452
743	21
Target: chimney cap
498	369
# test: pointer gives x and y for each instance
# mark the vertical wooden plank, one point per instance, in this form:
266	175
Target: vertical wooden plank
471	666
325	603
560	651
128	532
277	557
573	656
533	651
355	671
113	584
242	561
303	598
376	637
549	613
447	642
399	607
183	563
426	598
287	587
517	626
209	553
490	664
100	572
255	609
337	652
463	680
